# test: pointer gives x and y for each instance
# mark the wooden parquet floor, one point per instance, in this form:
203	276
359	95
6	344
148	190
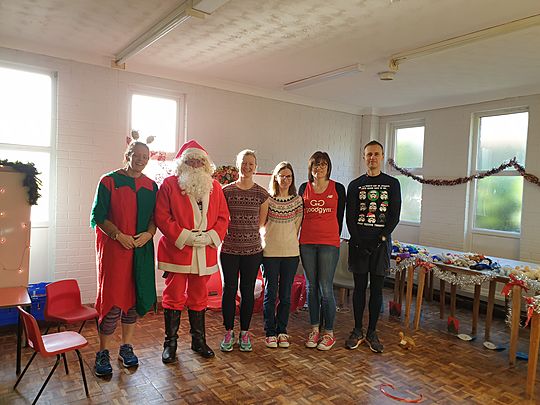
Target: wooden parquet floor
444	369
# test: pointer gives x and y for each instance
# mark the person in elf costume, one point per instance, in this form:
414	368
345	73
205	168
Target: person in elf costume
122	215
192	214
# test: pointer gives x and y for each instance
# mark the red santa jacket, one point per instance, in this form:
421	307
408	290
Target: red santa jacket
177	215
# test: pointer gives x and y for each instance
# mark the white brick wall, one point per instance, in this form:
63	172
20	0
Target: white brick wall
93	123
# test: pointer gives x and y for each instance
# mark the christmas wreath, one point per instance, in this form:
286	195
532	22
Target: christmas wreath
226	174
30	180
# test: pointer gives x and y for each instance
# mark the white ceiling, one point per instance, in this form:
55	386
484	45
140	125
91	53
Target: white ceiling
255	46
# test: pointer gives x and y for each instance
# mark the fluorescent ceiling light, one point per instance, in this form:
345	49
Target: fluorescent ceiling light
308	81
189	8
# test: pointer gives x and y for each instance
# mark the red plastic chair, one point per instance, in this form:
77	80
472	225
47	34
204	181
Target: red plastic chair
63	304
55	344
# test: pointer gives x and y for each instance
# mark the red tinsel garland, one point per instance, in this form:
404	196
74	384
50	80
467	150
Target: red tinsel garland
531	178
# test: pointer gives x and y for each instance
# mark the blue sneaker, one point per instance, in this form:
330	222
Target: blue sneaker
103	364
127	356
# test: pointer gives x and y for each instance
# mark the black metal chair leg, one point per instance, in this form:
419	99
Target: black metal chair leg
82	326
97	325
47	330
24	371
65	363
58	328
82	372
48	378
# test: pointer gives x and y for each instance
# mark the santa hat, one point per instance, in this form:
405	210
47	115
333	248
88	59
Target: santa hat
191	148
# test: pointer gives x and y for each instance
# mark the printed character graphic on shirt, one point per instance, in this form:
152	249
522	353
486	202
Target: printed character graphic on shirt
373	212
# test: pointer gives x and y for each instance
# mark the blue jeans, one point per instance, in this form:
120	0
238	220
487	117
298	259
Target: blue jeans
320	263
278	275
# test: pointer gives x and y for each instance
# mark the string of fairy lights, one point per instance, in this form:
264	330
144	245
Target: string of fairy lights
8	228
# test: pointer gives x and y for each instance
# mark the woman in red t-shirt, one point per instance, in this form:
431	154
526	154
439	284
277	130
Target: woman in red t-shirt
324	206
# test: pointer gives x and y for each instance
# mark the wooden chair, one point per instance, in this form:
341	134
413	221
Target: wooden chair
63	304
55	344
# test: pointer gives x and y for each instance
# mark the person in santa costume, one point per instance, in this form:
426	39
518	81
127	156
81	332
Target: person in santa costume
192	214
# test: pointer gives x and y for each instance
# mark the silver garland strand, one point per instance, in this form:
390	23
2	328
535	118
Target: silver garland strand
462	280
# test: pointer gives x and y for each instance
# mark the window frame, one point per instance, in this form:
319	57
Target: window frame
51	149
180	127
393	127
475	148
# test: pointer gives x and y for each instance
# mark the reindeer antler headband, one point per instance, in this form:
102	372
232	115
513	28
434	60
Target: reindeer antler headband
135	137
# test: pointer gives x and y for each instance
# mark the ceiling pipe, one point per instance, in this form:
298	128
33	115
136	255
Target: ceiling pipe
506	28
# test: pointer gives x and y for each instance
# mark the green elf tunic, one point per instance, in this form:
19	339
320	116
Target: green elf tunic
125	276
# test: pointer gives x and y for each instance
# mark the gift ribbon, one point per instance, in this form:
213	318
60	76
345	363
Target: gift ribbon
531	302
513	281
398	398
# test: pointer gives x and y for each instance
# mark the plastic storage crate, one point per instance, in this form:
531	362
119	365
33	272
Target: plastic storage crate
8	316
38	295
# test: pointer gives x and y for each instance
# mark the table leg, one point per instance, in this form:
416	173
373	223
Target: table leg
402	285
453	293
419	295
514	327
442	297
341	302
408	299
430	287
489	310
534	343
476	308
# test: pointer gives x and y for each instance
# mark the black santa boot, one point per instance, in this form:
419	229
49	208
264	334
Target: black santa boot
198	334
172	323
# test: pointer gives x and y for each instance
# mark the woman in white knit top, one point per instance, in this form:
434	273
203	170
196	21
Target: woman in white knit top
281	252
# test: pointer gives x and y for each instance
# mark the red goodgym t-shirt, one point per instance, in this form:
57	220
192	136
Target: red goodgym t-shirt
320	225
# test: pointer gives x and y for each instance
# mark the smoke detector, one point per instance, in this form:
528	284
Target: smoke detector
386	75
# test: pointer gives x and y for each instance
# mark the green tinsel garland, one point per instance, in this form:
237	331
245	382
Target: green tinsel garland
30	180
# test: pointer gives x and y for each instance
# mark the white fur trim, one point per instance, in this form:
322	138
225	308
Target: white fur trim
215	237
181	241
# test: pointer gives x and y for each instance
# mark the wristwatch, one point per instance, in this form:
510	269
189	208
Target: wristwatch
114	235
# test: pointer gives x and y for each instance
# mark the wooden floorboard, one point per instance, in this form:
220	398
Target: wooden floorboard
444	369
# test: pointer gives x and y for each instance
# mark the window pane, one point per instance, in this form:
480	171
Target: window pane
25	102
40	212
155	116
411	197
498	203
410	147
501	138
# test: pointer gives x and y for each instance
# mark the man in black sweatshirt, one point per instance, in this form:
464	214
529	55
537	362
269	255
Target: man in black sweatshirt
373	208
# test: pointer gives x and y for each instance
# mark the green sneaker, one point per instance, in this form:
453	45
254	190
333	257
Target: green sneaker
228	342
245	342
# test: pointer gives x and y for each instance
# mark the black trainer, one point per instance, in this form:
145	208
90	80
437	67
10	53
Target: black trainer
355	339
373	342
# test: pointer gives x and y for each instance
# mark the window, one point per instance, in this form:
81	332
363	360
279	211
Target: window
409	154
158	116
498	199
26	128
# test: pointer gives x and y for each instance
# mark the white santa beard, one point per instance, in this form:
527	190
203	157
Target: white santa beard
196	182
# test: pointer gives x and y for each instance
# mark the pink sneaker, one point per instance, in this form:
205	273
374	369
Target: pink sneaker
313	339
271	341
283	340
327	342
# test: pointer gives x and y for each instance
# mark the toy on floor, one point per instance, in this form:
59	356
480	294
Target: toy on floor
406	342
